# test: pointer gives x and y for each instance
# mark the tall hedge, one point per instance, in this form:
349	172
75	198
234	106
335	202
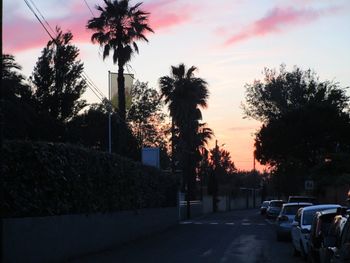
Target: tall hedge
41	179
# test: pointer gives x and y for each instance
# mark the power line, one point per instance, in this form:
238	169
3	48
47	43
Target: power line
89	8
53	31
93	85
31	9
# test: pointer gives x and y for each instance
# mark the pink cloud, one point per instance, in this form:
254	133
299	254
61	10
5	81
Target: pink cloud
21	33
276	21
168	13
27	34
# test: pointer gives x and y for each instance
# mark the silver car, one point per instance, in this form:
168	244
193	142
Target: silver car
301	227
285	219
274	208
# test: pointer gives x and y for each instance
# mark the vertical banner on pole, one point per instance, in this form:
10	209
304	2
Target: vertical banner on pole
128	79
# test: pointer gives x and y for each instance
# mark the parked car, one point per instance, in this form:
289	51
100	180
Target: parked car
274	208
325	231
301	227
341	252
285	219
301	198
263	207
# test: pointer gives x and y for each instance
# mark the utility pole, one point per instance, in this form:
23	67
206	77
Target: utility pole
215	183
254	161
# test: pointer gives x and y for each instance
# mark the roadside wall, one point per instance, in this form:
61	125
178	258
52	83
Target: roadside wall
228	203
196	209
59	238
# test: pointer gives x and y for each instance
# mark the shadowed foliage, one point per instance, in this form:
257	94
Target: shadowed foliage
45	179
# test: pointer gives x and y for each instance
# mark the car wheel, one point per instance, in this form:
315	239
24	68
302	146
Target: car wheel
278	236
296	253
310	258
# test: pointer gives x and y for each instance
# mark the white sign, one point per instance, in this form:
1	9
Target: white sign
150	156
309	185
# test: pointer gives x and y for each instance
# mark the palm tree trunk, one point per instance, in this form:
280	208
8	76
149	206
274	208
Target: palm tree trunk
121	108
172	145
189	188
121	91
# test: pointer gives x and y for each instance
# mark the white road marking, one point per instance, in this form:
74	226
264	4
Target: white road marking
207	253
244	223
269	222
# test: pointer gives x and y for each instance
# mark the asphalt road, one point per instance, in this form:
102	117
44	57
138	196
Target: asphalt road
239	236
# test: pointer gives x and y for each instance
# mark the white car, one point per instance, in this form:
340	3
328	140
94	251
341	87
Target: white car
301	227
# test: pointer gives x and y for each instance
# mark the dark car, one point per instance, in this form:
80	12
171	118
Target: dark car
263	207
274	208
325	230
341	252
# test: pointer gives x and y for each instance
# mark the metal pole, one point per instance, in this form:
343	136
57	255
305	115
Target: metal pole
109	115
254	161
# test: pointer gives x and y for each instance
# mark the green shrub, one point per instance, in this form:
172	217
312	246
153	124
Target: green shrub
41	179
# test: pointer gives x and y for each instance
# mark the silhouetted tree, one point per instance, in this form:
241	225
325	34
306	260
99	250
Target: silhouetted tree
147	120
185	95
146	117
304	121
117	29
57	79
282	92
20	119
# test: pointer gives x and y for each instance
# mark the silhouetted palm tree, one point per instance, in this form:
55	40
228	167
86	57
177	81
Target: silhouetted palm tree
117	29
185	95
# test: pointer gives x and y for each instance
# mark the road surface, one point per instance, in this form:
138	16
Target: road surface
238	236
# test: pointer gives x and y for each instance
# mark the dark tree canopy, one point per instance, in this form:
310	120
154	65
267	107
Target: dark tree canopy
58	80
13	84
304	136
305	121
282	92
91	130
20	120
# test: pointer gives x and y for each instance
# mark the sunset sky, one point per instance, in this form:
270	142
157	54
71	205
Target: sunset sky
230	41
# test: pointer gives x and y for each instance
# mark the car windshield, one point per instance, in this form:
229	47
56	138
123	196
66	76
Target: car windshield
265	204
276	204
309	215
291	209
